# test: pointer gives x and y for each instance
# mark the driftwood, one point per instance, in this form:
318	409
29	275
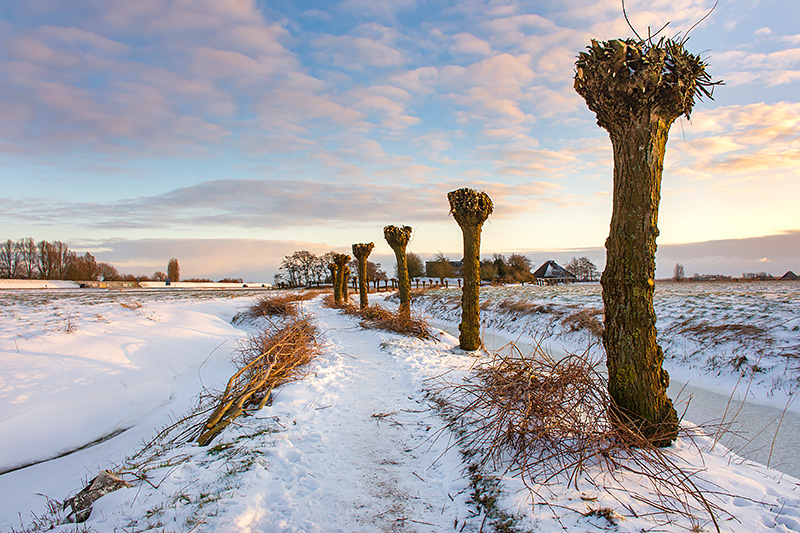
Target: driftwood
81	504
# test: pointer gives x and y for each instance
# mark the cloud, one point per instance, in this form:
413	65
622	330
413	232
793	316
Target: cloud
492	90
466	43
740	140
771	69
385	10
732	257
369	45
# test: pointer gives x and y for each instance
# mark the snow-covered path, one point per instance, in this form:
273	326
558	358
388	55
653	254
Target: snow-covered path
358	452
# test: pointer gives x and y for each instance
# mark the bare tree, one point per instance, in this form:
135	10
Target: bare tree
108	272
28	257
680	273
440	268
637	89
9	259
582	267
519	267
173	270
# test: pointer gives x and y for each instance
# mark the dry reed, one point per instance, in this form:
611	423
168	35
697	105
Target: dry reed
377	317
548	421
278	304
585	319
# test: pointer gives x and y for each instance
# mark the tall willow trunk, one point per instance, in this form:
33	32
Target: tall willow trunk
470	209
345	278
361	252
398	238
637	89
636	380
337	289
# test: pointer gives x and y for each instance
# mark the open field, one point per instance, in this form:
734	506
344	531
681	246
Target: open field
361	444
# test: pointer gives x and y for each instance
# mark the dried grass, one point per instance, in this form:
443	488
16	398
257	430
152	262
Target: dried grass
272	305
585	319
549	422
522	307
719	333
377	317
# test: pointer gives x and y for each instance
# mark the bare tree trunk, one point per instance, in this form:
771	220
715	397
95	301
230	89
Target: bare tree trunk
637	89
361	252
470	328
337	288
398	238
636	380
470	209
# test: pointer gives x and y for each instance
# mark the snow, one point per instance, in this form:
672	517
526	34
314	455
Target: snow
355	446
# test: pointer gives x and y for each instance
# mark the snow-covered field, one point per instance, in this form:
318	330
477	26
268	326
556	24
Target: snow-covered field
356	446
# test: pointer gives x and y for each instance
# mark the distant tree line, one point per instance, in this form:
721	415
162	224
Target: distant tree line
304	268
27	259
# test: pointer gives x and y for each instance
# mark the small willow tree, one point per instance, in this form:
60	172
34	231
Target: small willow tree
361	252
398	237
339	289
637	89
345	279
470	208
337	293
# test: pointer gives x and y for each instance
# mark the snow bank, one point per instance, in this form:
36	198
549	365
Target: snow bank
37	284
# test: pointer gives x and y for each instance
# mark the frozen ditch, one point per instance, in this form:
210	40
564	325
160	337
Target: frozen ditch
752	427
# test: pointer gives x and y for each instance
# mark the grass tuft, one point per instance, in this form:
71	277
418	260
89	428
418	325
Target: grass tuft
548	421
274	305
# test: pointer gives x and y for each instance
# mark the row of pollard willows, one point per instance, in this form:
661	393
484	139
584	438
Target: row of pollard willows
637	89
470	209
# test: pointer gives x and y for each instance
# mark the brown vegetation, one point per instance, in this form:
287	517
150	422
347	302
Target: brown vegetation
265	360
550	421
273	305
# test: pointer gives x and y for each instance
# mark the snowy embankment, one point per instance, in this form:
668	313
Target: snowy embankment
355	446
717	335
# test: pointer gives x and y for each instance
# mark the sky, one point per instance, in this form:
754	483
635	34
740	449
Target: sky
229	133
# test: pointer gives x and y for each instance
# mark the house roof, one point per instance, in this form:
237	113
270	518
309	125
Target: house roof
552	270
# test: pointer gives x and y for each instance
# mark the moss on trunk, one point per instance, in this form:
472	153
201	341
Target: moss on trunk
361	252
337	293
398	237
470	209
637	89
339	288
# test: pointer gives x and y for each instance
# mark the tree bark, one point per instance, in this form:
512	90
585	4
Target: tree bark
470	328
403	283
636	381
337	287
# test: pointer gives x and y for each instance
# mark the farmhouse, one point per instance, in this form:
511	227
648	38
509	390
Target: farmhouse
551	273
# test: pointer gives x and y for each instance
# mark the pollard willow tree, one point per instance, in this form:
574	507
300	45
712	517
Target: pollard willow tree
398	237
470	208
361	252
339	287
637	89
344	280
337	296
